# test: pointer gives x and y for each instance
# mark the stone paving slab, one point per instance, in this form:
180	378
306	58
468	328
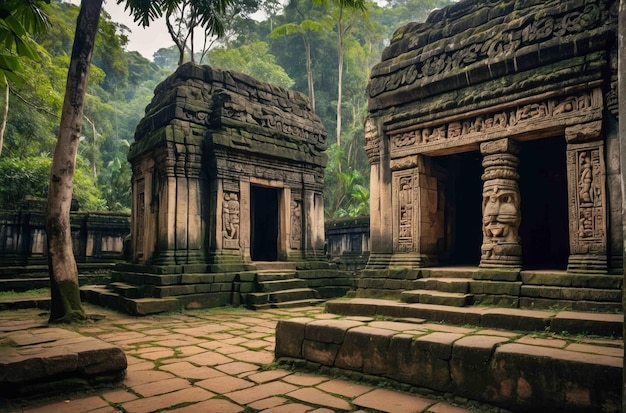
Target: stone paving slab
53	358
175	381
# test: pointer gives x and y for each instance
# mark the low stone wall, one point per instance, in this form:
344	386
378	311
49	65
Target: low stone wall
495	367
96	236
348	242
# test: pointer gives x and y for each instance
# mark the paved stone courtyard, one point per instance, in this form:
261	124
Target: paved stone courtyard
217	360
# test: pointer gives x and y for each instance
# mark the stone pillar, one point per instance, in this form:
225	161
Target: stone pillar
501	246
586	177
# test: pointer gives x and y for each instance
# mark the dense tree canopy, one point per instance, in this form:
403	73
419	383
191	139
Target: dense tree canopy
122	83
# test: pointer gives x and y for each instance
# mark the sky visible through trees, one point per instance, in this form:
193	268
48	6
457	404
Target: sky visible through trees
124	74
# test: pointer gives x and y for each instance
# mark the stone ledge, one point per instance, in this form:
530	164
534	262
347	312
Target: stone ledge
572	322
496	367
42	360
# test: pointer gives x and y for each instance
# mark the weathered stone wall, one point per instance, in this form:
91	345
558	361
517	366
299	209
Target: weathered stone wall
96	236
487	76
348	241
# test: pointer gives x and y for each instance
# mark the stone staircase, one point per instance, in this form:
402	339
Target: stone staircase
277	286
450	287
517	359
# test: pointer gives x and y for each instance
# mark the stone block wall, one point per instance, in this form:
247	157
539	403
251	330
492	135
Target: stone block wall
96	236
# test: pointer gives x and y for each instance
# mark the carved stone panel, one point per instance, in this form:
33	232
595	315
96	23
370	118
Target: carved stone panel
140	215
587	199
296	223
372	144
230	220
405	207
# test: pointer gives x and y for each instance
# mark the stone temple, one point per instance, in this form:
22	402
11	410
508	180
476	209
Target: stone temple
227	199
492	138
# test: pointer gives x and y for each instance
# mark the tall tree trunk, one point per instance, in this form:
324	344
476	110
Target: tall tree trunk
309	71
339	82
621	93
5	113
65	294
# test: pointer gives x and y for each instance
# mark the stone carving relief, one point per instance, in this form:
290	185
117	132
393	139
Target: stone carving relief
590	196
501	205
405	214
140	214
296	224
500	120
372	143
270	118
538	29
230	219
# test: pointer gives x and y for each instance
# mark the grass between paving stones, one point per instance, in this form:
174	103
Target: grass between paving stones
37	292
299	365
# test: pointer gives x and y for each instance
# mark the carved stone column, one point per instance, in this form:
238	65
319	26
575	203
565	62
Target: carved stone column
586	175
501	246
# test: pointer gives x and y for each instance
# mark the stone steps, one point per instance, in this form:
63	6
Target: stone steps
103	296
304	296
279	285
568	322
505	368
448	285
290	304
437	297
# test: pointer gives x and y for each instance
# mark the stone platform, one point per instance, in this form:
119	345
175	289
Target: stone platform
36	360
524	367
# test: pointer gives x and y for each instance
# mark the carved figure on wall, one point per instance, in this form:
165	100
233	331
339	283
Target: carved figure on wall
584	182
230	216
405	203
296	224
233	210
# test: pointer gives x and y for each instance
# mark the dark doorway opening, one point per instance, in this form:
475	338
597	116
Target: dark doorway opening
544	229
462	188
264	223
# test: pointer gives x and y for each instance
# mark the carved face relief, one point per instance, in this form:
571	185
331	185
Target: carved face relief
501	215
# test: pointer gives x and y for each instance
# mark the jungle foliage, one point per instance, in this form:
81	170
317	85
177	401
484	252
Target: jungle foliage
294	46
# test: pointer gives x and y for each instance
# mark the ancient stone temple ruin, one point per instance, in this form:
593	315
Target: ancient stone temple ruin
227	179
492	138
227	170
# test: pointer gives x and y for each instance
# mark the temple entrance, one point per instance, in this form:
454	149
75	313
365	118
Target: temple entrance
264	223
463	200
544	229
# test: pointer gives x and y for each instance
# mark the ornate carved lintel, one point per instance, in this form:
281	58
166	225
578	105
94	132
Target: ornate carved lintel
583	132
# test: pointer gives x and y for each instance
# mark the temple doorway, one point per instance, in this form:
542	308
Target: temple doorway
264	223
462	191
544	229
